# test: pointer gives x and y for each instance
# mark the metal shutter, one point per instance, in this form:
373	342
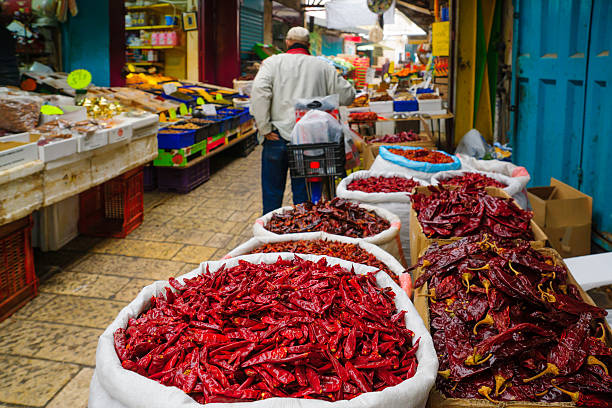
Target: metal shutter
251	30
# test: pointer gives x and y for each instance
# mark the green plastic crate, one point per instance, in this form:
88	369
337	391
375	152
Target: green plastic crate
180	157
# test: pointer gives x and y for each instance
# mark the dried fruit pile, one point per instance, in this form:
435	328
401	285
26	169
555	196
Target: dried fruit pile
507	325
349	252
401	137
293	328
383	185
363	116
470	211
337	216
473	180
423	155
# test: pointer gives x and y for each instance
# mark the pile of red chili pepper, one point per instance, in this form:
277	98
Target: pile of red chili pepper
507	325
349	252
473	180
337	216
423	155
401	137
294	328
383	185
465	211
363	116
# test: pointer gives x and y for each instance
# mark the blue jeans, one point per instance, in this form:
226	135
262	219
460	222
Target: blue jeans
274	166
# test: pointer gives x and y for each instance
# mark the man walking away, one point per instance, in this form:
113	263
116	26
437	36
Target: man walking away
281	80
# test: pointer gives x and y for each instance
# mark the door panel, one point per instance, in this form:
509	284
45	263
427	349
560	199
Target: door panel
551	68
597	147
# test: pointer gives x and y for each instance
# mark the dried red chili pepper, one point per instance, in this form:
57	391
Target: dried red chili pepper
349	252
294	328
473	180
363	116
383	184
401	137
337	216
460	212
529	342
423	155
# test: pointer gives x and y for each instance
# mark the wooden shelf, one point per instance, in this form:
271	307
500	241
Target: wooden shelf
151	7
156	27
151	47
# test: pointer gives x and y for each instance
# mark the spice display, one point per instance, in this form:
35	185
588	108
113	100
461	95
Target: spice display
294	328
19	112
337	216
349	252
465	211
360	101
428	96
473	180
508	325
423	155
401	137
363	116
383	184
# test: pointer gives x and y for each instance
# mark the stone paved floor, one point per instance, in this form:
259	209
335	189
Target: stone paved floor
47	349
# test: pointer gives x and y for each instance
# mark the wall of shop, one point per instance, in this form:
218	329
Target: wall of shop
85	42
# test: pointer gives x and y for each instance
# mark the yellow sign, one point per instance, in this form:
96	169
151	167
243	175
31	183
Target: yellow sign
51	110
218	97
79	79
200	101
441	39
172	114
183	109
162	117
131	68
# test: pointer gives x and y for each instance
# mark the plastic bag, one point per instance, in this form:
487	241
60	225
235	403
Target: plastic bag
322	103
351	139
423	167
19	113
473	144
115	387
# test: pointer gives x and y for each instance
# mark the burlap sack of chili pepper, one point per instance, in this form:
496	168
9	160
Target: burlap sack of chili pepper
509	323
293	331
386	190
321	243
338	217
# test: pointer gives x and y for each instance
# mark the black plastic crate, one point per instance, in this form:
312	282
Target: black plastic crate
317	160
245	146
183	179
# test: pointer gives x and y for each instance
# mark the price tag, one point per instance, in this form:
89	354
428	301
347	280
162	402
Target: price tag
183	109
209	110
172	113
169	89
219	97
162	117
79	79
200	101
131	68
51	110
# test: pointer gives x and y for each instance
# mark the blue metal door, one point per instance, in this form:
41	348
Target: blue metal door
597	141
562	96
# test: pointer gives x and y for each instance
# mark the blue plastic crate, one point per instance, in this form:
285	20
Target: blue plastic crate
405	106
176	140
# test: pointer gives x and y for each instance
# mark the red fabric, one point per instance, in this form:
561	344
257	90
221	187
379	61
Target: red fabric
298	51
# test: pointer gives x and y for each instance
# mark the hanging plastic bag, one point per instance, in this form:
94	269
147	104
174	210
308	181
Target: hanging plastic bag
351	141
473	144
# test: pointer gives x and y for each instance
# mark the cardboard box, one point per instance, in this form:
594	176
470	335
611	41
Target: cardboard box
438	400
419	242
564	214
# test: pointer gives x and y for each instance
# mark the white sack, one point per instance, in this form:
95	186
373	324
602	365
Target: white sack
518	173
386	240
256	242
514	186
115	387
396	203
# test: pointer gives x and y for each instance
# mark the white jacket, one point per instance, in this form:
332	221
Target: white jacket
282	79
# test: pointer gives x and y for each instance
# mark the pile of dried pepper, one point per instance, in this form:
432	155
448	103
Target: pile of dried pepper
383	184
473	180
507	325
464	211
423	155
349	252
294	328
337	216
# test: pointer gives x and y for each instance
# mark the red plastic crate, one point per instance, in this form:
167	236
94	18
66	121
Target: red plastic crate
18	282
115	208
